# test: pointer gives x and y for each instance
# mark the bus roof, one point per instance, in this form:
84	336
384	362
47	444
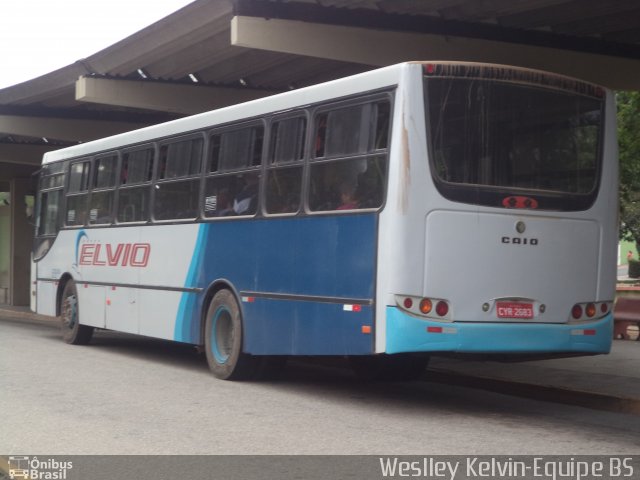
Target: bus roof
368	81
372	80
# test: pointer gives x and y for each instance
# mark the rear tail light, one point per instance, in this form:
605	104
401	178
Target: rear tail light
425	306
590	310
576	312
442	308
431	307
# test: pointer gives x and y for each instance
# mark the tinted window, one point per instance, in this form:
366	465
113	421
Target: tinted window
343	131
350	169
105	172
133	204
348	185
176	198
49	212
79	181
134	196
79	177
236	149
101	207
180	159
232	195
76	210
287	140
137	166
284	176
498	136
233	184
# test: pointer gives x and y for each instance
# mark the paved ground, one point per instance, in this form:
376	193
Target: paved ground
616	375
132	395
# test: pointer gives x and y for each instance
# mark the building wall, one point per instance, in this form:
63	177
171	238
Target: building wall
5	241
22	238
16	232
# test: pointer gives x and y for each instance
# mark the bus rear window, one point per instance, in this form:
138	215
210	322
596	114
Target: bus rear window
490	139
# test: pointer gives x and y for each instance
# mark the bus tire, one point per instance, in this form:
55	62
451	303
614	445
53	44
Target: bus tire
72	331
399	367
223	337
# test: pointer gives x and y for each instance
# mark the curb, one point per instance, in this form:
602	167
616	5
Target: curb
26	315
532	391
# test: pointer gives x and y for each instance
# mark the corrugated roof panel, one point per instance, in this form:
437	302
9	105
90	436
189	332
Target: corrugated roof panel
196	39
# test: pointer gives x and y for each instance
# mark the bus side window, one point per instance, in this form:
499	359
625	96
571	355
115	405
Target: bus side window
178	182
351	171
102	189
383	120
234	172
284	174
49	212
48	207
135	185
321	135
76	211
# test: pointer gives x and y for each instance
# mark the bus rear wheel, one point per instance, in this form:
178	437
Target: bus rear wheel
223	339
72	332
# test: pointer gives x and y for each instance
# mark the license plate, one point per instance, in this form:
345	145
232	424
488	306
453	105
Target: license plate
514	310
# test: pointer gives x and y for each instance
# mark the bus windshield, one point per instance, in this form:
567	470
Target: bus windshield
492	138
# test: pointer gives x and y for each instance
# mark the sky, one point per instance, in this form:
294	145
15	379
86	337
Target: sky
39	36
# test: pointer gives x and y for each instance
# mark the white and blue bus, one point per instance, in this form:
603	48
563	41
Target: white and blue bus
418	208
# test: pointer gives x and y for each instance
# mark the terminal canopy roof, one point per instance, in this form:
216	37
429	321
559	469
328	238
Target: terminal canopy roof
214	53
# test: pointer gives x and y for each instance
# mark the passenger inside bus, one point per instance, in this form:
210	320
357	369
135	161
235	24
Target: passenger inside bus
347	197
245	202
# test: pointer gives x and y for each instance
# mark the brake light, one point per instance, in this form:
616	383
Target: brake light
576	312
424	306
590	310
442	308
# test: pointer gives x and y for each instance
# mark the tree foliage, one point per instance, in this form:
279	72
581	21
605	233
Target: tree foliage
629	153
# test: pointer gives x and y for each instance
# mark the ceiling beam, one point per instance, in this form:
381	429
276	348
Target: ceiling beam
385	47
569	11
23	154
167	97
62	128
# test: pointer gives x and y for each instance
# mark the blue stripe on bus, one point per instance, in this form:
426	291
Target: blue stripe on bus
188	311
324	256
282	327
81	234
407	333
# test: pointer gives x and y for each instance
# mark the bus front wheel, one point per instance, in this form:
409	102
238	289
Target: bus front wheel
72	332
223	339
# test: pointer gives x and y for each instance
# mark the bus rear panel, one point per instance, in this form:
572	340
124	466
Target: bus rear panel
500	229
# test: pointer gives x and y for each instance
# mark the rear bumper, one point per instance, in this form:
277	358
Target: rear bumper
407	333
